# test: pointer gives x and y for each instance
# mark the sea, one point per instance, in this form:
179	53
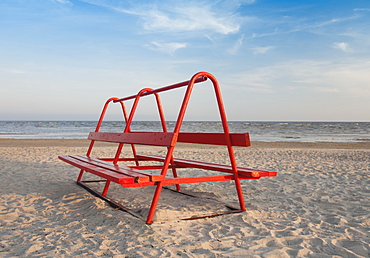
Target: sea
350	132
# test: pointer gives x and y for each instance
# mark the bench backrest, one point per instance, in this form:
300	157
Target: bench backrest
170	139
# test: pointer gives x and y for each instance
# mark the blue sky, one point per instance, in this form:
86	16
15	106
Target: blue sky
275	60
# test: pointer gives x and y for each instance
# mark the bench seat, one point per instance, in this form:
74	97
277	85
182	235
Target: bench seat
118	174
243	172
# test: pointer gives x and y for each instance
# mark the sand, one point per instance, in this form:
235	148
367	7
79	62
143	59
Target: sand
317	206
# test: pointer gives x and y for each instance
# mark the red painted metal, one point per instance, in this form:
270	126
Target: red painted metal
100	123
143	175
106	188
166	88
184	163
128	171
237	139
188	180
144	138
101	172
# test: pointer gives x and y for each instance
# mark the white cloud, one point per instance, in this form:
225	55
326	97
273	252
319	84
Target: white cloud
168	48
342	46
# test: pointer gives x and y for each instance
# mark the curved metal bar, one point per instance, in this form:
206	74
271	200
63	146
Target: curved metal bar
177	85
129	121
134	107
188	92
97	128
224	125
100	121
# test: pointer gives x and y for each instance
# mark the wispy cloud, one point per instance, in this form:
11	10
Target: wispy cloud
346	78
237	45
190	18
13	71
299	24
362	9
183	16
262	50
168	48
62	2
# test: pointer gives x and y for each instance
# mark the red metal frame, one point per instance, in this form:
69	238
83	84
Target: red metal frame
227	139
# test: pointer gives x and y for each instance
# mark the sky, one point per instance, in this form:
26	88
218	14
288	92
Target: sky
275	60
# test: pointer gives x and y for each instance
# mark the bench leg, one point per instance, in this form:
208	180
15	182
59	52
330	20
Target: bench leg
174	172
178	188
153	206
106	187
240	194
80	175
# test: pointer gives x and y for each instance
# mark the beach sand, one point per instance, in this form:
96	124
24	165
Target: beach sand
317	206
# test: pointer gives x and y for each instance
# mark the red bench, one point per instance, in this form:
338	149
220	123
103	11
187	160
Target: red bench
156	175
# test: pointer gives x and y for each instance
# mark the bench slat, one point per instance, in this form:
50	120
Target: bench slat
237	139
104	173
138	174
144	138
248	172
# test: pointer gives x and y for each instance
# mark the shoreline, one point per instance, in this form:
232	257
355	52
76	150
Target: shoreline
255	144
